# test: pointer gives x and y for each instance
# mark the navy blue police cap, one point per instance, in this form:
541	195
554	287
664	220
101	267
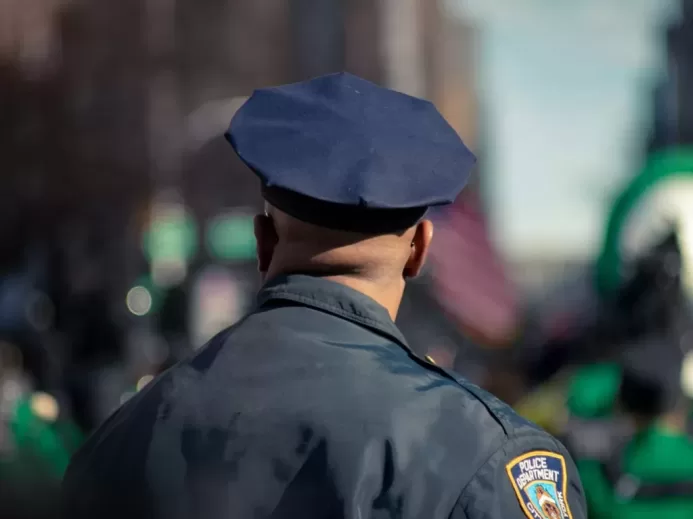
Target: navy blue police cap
341	152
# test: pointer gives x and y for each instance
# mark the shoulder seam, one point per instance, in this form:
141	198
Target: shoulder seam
470	389
487	406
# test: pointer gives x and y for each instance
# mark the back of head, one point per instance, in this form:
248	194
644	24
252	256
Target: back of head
348	169
309	248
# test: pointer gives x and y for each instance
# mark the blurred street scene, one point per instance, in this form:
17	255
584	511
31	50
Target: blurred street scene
126	235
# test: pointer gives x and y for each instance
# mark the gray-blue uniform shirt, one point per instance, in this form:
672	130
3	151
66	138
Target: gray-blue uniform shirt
314	407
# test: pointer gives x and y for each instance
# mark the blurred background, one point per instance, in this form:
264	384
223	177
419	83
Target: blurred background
126	221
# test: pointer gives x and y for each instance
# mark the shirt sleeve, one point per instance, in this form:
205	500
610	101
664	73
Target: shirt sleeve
529	477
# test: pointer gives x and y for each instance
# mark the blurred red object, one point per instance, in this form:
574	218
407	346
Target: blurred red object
469	279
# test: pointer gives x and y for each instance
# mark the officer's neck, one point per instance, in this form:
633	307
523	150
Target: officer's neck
385	291
365	272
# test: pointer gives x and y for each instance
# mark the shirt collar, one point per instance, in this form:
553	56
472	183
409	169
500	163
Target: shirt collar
333	298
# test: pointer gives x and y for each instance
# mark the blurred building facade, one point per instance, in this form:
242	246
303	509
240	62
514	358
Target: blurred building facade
111	103
120	89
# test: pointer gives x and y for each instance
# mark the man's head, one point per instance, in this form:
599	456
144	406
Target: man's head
348	169
287	244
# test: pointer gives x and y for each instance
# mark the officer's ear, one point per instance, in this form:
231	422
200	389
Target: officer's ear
420	243
266	239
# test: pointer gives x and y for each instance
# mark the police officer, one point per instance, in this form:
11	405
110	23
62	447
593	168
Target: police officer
651	472
314	406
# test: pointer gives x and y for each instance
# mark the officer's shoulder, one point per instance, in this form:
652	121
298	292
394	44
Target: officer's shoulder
517	438
509	422
513	467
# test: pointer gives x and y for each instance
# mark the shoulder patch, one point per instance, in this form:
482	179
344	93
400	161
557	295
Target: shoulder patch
540	483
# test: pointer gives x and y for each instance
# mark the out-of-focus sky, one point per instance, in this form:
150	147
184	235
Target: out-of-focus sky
566	93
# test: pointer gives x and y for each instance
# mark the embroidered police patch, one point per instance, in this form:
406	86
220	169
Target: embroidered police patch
540	482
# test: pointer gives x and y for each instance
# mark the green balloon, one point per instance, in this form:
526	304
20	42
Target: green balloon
664	165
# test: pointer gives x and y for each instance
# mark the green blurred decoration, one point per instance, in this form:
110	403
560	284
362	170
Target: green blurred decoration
593	390
231	237
173	238
664	165
43	447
